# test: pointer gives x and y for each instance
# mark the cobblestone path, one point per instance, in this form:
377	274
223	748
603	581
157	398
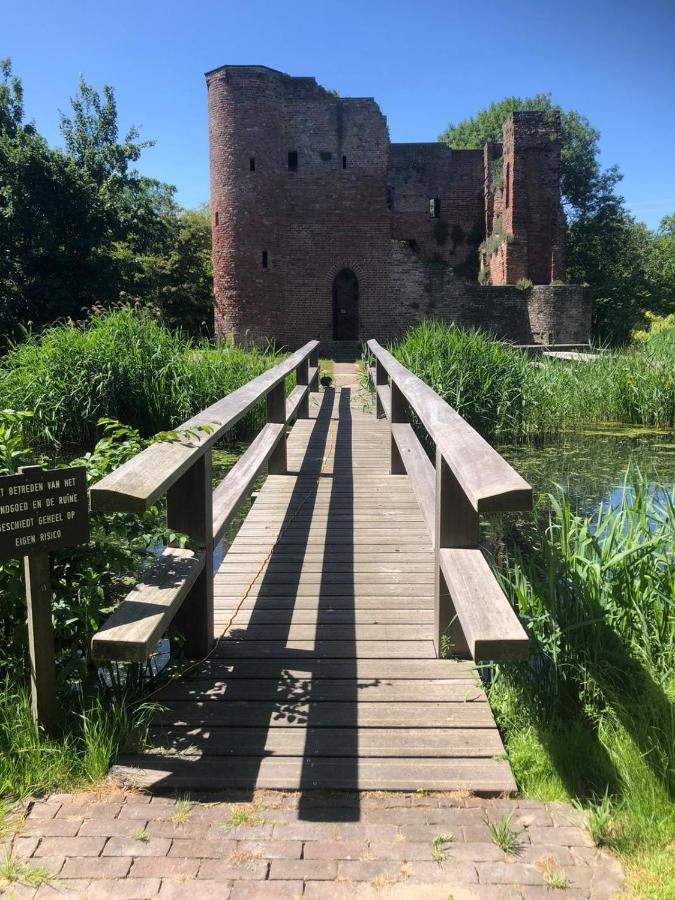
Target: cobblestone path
115	844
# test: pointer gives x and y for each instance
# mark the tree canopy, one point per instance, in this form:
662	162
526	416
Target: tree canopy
80	227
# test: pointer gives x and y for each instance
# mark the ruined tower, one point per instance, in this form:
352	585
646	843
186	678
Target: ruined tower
323	229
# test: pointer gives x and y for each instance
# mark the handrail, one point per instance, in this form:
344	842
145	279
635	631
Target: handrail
489	482
137	484
180	581
467	477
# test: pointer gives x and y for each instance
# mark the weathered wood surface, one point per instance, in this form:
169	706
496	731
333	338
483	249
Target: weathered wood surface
132	632
490	626
327	676
141	481
489	482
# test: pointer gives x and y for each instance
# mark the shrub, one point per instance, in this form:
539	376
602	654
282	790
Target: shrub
481	378
122	365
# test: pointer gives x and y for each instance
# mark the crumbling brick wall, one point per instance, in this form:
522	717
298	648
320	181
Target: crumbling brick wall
305	184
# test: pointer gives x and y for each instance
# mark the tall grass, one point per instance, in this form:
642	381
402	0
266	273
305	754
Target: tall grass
123	365
505	395
93	733
592	714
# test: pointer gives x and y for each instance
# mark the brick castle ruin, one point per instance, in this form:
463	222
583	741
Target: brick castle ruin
322	228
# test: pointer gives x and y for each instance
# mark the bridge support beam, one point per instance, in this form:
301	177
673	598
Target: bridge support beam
457	525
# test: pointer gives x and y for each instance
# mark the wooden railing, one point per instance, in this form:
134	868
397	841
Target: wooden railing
469	478
180	583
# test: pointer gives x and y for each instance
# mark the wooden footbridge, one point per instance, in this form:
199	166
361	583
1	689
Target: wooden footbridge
316	643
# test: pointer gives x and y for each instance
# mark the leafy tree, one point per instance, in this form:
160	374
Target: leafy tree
661	267
81	228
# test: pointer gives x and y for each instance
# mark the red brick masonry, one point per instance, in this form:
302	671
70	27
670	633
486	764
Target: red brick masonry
306	184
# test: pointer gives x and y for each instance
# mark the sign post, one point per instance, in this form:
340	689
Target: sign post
42	511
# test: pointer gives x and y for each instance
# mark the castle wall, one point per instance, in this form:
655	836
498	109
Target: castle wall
305	183
430	289
419	173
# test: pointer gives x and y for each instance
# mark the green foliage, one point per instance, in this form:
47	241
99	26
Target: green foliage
480	378
592	714
494	241
94	731
122	365
501	394
80	227
523	284
503	836
656	325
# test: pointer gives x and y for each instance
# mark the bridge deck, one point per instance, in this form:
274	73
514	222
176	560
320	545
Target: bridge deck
327	676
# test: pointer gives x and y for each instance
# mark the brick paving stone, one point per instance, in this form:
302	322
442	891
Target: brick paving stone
303	869
127	889
206	849
607	878
90	809
43	810
479	834
568	816
402	850
26	846
508	873
355	831
578	876
532	892
51	864
70	846
93	867
165	867
121	846
367	870
265	890
335	849
135	810
248	832
71	890
174	889
562	836
230	870
168	829
268	849
306	831
19	891
111	827
524	818
536	852
52	827
476	852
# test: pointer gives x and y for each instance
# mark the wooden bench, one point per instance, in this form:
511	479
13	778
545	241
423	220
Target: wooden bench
468	478
180	582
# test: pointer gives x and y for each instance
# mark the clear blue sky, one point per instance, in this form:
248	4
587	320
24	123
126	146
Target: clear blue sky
426	63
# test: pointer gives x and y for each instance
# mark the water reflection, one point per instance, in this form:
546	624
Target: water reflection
590	465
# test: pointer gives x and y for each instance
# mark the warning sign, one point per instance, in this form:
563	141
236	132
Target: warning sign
43	510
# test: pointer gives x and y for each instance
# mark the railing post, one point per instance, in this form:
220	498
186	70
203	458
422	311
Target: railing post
302	377
381	377
457	525
314	363
276	412
400	413
189	509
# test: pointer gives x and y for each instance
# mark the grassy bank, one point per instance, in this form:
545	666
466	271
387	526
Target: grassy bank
503	395
122	365
591	716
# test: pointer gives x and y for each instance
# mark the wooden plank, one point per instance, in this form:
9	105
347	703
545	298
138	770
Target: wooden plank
324	667
488	778
135	627
490	625
323	690
296	714
321	616
437	743
139	483
489	482
44	706
384	396
230	648
419	468
234	489
330	631
294	400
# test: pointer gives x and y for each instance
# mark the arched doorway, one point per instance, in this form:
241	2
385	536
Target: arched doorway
345	306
